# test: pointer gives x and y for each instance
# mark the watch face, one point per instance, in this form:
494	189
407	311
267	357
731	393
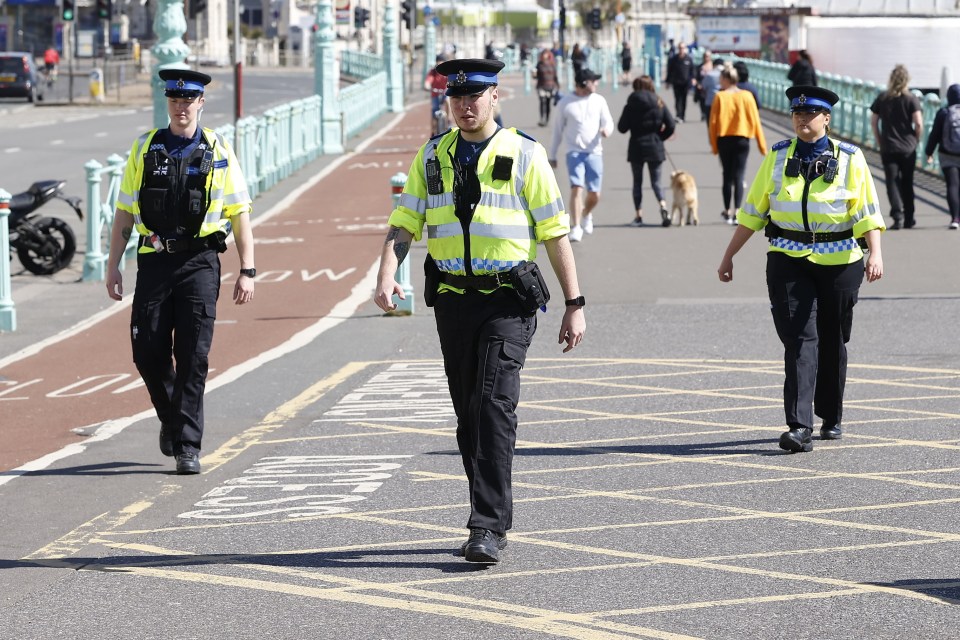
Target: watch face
250	273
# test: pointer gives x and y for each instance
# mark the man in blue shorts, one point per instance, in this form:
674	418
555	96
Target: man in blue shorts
583	120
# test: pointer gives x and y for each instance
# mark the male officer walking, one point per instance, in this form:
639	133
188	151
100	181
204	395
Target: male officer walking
183	191
487	196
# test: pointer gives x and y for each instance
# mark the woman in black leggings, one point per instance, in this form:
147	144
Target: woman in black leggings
734	120
649	123
944	125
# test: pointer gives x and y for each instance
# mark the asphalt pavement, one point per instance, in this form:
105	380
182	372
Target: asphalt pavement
651	498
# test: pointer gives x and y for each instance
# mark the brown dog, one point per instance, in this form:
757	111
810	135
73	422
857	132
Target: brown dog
684	193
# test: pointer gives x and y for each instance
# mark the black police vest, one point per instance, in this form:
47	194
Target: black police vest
174	197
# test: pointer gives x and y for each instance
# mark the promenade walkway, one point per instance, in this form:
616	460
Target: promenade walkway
651	498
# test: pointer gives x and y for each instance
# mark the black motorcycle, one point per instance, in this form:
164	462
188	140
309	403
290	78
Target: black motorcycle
44	245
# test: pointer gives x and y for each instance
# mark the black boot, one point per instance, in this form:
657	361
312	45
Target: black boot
830	432
484	546
798	439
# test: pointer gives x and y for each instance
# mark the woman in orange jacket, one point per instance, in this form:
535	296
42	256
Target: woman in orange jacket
734	120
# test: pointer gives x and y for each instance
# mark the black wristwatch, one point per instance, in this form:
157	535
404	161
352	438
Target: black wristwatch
576	302
250	273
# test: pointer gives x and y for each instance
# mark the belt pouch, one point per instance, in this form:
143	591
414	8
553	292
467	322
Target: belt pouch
432	281
529	286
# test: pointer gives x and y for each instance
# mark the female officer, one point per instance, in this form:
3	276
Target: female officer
816	201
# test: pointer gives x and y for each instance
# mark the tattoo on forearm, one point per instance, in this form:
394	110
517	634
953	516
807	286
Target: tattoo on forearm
400	250
126	232
392	234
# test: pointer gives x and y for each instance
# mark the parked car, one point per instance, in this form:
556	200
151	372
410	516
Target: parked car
19	76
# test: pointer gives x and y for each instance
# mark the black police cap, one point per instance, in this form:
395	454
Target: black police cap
183	83
811	98
470	75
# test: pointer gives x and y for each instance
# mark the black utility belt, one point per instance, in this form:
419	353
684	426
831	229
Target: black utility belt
525	278
177	244
480	283
807	237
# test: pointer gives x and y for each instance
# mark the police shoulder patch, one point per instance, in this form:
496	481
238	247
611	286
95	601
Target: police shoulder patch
525	135
783	144
849	148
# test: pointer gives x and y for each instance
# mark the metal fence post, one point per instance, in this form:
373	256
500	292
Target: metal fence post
404	307
8	312
93	259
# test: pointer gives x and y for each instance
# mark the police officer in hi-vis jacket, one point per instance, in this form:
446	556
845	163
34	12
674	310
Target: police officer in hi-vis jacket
183	191
815	199
487	196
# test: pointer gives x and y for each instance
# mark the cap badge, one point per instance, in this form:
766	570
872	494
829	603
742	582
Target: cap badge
802	99
180	84
460	79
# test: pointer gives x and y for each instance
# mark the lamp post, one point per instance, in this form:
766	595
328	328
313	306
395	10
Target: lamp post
169	24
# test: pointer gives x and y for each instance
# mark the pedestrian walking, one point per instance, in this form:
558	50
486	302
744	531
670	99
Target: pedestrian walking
945	134
680	75
626	62
546	74
743	80
488	197
579	59
583	120
815	199
734	121
184	192
802	71
710	85
436	84
706	66
649	123
897	122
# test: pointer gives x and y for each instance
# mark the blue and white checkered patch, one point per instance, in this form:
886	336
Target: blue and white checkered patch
820	247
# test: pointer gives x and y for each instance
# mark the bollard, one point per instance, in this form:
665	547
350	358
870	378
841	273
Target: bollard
93	258
404	307
8	312
96	85
527	72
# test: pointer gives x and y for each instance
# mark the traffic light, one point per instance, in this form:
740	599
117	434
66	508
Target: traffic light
595	18
408	13
104	9
69	10
563	18
357	17
364	17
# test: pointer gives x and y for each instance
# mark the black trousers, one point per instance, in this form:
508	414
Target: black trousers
174	308
812	308
733	151
654	169
680	91
898	172
484	339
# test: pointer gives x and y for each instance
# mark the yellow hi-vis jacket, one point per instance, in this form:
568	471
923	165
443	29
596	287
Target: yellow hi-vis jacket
847	203
225	185
510	219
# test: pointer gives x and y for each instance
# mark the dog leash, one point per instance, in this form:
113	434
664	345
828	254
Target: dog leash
669	158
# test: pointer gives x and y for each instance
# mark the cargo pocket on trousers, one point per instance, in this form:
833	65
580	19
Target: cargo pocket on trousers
206	314
506	381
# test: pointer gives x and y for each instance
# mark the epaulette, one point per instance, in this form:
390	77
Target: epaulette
440	135
783	144
849	148
525	135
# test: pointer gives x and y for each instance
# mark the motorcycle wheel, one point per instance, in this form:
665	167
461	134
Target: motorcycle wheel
50	250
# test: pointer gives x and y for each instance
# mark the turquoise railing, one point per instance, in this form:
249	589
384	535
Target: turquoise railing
362	103
359	64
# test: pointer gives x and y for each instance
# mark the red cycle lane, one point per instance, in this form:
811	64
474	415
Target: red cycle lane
309	257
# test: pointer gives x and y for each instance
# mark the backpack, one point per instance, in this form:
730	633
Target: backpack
950	140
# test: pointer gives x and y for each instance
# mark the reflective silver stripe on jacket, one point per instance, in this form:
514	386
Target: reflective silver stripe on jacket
781	159
547	211
502	231
233	198
448	230
796	206
128	200
412	202
524	160
500	201
439	200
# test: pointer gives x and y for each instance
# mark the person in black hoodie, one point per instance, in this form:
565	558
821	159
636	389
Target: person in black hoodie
949	159
802	71
649	123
